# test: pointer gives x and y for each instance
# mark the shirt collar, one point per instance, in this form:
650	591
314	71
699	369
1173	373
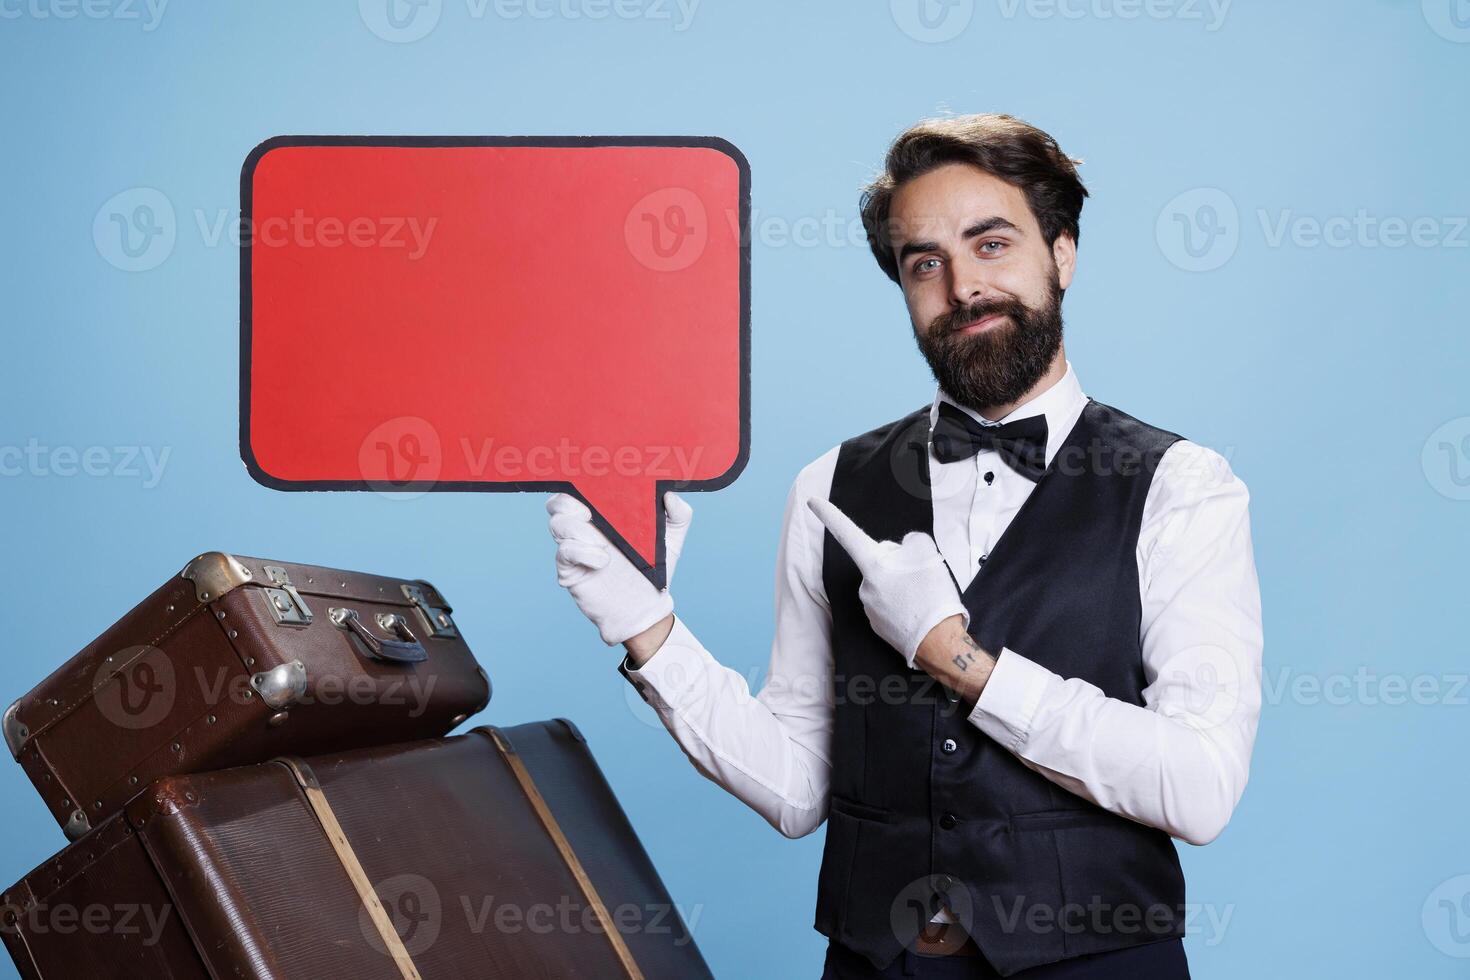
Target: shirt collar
1062	403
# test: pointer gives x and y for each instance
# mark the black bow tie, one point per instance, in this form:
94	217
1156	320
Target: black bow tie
1022	443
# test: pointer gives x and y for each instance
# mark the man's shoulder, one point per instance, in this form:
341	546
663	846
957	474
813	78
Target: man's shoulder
1190	473
1119	427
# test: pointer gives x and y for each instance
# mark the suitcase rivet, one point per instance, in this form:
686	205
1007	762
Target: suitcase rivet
97	805
249	695
249	661
221	614
278	719
177	747
211	719
309	580
47	777
189	797
205	596
66	804
170	609
233	634
132	780
282	604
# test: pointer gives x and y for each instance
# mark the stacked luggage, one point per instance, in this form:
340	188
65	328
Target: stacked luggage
253	769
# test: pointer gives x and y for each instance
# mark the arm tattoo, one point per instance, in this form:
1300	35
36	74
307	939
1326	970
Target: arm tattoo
966	658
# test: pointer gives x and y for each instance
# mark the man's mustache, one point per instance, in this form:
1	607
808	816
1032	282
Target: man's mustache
954	320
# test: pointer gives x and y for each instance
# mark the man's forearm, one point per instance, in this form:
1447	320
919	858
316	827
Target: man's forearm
769	750
647	643
950	655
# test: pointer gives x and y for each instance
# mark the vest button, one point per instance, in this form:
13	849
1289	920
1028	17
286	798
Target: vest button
948	821
950	746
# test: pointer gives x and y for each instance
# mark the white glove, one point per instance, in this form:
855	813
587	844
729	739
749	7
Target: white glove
609	590
907	589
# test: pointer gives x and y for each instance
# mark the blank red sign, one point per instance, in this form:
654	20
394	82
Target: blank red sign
498	314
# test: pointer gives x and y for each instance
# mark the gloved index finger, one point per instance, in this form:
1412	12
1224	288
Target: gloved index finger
854	540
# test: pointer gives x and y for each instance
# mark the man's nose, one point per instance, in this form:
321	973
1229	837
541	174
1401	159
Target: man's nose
969	286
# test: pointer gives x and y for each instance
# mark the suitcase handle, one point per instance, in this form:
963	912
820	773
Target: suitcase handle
407	650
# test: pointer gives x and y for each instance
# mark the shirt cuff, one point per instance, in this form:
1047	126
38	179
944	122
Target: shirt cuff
1007	706
671	670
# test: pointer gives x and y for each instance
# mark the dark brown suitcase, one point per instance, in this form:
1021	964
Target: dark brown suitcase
237	660
501	854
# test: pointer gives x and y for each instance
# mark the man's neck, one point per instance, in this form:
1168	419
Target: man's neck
1055	372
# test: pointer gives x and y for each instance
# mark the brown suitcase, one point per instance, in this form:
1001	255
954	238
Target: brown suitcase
500	854
236	660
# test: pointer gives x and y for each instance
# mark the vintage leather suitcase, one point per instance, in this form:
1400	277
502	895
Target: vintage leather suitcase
500	854
236	660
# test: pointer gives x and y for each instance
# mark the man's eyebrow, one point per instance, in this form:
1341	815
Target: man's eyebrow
983	227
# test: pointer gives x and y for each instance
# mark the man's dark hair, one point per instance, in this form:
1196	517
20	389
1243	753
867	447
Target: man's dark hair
1003	146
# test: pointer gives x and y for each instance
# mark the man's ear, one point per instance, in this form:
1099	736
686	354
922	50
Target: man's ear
1064	254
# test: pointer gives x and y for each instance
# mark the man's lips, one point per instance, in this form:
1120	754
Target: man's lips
982	324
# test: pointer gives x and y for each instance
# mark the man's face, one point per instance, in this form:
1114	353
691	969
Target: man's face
982	286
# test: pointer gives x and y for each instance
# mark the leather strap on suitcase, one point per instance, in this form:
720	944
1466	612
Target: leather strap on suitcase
322	809
548	820
317	800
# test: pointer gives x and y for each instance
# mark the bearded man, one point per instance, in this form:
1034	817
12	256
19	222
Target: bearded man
1018	631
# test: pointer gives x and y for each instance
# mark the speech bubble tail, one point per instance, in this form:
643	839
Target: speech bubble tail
630	512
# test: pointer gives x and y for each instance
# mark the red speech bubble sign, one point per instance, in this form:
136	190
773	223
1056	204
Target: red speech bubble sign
498	314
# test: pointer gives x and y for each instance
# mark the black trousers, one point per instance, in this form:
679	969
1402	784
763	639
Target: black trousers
1152	961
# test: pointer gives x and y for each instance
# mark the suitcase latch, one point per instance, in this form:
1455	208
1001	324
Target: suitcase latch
285	602
435	617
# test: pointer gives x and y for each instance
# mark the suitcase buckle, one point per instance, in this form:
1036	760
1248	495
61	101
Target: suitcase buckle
285	603
436	618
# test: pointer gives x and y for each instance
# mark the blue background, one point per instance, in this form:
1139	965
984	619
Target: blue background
1332	377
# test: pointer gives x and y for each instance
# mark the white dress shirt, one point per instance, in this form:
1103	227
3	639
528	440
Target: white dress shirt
1178	763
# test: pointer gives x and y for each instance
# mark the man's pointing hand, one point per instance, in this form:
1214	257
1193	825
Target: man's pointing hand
907	589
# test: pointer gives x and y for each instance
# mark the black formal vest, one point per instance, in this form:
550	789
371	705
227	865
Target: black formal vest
923	803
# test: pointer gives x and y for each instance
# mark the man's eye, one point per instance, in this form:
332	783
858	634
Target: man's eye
931	263
992	248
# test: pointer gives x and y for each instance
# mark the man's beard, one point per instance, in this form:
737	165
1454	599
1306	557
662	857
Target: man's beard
1002	363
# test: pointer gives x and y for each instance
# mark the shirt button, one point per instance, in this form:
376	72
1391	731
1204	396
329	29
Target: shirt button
948	821
949	746
984	559
943	883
